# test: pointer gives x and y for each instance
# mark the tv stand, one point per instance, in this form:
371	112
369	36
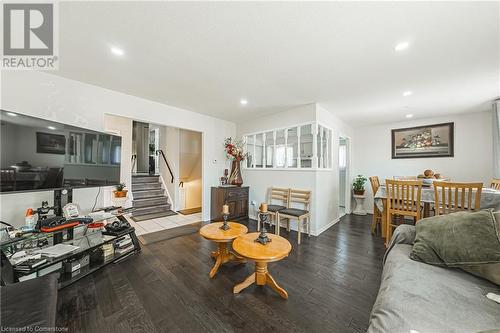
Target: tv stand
88	258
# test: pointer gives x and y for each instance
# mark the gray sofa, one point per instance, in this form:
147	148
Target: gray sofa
419	298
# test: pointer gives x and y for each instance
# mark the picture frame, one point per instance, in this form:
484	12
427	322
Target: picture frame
426	141
49	143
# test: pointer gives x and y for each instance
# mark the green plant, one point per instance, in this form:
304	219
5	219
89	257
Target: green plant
120	187
359	183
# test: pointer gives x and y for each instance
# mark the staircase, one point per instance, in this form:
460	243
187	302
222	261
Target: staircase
150	201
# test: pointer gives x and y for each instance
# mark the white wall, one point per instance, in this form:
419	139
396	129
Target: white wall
324	184
51	97
473	151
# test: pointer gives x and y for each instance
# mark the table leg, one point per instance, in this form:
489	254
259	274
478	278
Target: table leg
222	256
261	277
427	209
384	219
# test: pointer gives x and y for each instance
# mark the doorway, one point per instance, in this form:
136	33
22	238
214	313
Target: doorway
344	190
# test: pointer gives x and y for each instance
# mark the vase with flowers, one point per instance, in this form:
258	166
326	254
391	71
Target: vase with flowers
235	151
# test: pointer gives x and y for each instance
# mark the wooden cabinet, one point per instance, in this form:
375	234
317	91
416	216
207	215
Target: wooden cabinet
235	197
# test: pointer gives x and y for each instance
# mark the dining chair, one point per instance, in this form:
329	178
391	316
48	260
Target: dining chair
276	195
403	199
377	214
495	184
301	215
454	197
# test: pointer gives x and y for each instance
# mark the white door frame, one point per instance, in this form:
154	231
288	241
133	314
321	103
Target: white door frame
348	175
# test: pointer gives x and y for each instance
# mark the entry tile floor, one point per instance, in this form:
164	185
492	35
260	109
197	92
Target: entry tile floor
163	223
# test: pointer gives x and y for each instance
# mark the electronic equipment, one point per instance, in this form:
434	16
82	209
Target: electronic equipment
39	154
117	226
75	264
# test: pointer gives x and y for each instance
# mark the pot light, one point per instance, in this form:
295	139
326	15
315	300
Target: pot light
243	102
401	46
117	51
409	116
51	127
12	114
407	93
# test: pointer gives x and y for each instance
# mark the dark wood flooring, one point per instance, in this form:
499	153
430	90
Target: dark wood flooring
332	281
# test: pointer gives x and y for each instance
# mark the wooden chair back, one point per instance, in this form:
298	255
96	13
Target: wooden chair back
453	197
495	184
405	177
375	182
403	197
279	194
301	197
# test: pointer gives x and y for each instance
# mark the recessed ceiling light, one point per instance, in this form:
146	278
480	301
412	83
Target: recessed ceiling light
117	51
407	93
51	127
12	114
243	102
401	46
409	116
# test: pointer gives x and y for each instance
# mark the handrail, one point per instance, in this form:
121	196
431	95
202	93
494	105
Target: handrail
158	152
134	160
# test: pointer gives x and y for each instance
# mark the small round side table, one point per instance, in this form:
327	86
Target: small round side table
223	255
275	250
360	200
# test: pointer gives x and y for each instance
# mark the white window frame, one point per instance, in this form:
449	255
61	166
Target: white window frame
316	163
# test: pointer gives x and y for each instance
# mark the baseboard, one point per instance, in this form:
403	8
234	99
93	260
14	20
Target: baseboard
324	228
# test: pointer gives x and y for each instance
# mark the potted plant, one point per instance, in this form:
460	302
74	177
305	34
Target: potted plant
235	151
120	191
358	185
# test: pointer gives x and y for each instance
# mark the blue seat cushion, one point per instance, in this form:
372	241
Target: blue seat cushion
294	212
275	208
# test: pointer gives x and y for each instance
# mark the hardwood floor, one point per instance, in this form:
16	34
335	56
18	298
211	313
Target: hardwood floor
332	281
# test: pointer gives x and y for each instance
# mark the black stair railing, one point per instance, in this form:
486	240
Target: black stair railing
134	160
160	152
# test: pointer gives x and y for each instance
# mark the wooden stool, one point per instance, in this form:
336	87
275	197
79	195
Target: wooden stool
277	249
223	255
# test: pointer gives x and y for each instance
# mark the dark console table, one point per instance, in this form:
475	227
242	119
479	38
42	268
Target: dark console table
235	197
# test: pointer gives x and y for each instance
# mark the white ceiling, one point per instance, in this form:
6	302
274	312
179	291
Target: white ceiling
206	56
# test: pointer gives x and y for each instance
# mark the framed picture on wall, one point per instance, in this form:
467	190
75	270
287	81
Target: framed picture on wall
423	141
49	143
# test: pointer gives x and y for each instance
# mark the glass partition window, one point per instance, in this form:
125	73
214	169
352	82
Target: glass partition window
299	147
306	146
292	151
259	150
280	149
250	150
269	149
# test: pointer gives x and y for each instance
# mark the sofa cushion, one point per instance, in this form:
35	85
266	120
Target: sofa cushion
458	239
465	240
416	297
294	212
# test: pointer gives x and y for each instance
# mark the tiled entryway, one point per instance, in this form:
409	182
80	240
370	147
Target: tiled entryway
163	223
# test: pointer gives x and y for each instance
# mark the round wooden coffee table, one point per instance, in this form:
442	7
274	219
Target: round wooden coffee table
277	249
213	232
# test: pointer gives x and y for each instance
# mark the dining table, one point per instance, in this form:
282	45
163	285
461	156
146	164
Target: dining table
490	198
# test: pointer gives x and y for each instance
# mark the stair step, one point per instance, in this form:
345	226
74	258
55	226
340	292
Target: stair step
147	194
150	210
145	179
152	216
137	203
145	186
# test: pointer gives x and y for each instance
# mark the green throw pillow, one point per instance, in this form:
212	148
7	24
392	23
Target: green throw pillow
470	241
